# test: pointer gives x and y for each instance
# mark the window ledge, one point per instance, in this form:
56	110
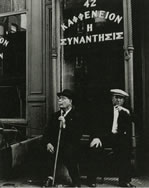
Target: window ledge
14	121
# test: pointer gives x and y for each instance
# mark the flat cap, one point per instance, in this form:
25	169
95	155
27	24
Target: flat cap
119	92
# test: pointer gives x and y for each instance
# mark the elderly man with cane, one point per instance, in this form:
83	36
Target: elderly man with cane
62	138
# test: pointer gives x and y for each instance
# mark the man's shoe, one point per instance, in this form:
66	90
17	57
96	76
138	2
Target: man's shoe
101	180
92	185
91	181
75	185
126	185
49	182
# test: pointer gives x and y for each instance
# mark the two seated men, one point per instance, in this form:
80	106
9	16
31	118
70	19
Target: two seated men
63	135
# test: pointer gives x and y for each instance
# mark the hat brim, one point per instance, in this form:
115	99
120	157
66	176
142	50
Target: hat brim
63	94
119	92
59	94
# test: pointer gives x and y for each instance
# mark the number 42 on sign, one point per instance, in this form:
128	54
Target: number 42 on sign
90	3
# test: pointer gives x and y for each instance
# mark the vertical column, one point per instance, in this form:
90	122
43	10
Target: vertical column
55	51
128	50
36	98
128	59
59	60
125	13
54	55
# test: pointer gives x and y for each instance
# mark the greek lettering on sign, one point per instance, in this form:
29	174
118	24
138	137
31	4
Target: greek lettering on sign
4	42
92	38
92	14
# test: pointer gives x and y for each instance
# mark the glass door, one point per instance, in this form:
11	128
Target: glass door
92	42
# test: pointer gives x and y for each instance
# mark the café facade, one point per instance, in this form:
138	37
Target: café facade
89	46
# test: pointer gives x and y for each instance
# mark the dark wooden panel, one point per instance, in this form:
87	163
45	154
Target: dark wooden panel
37	118
36	66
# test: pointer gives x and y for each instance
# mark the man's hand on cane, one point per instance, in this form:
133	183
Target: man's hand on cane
50	148
62	122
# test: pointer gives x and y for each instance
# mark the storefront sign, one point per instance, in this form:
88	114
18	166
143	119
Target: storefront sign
4	42
94	16
92	38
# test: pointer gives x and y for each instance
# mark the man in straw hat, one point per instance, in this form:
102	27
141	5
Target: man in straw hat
115	132
70	123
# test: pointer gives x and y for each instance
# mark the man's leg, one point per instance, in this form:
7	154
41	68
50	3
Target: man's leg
95	157
49	168
73	169
70	160
124	163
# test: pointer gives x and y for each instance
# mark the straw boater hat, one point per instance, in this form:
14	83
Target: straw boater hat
119	92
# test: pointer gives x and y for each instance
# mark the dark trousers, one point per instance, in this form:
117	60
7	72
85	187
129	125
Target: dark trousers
122	155
95	164
68	157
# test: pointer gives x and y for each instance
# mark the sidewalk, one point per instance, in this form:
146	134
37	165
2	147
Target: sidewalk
108	182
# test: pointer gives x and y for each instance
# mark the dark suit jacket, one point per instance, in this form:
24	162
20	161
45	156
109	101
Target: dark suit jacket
70	135
104	127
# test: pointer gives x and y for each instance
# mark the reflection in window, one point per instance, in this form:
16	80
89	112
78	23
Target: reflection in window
13	66
12	5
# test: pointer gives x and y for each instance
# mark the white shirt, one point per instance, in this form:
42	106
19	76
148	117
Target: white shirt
115	118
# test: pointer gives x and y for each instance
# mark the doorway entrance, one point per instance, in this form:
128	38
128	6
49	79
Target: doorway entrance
92	52
91	71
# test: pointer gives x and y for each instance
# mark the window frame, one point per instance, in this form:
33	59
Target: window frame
21	121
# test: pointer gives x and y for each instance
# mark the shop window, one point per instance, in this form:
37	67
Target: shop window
13	66
92	43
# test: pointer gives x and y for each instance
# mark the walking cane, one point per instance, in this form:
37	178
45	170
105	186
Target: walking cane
57	151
